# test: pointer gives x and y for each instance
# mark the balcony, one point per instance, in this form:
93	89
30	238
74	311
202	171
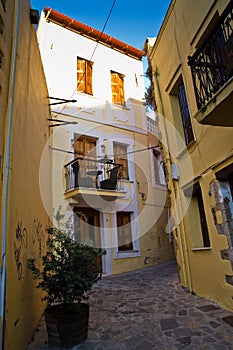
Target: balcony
212	73
152	126
90	180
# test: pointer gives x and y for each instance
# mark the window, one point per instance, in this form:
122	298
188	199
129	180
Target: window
124	233
158	168
186	121
225	178
197	219
85	146
4	4
117	82
84	76
1	59
1	26
120	157
87	228
87	225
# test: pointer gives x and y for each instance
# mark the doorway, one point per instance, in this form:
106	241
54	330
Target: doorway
87	227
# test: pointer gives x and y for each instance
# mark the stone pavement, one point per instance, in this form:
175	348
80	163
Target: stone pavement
148	310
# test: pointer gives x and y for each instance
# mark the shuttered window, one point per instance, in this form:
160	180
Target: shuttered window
159	173
117	81
124	232
84	76
187	125
197	219
85	147
120	157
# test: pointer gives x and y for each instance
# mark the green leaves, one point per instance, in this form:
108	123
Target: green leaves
69	269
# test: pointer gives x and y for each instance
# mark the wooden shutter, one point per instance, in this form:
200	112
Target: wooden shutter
121	89
87	222
124	232
81	77
120	157
85	146
89	77
84	76
117	81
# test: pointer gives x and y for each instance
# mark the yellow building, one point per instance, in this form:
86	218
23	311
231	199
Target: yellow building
192	70
24	131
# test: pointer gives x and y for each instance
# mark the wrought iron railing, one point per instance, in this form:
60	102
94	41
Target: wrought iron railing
92	173
212	63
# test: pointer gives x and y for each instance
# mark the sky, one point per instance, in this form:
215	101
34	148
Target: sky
131	21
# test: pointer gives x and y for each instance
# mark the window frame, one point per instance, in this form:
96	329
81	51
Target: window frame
125	219
185	114
158	171
123	172
197	204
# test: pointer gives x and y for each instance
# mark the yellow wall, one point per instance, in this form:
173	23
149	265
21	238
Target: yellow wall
202	271
155	247
26	218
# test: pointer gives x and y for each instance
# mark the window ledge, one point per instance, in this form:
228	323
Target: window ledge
127	181
160	186
201	248
86	94
187	149
121	106
128	254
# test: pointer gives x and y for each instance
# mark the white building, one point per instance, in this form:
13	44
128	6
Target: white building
101	166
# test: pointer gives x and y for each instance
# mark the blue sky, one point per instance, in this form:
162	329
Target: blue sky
131	21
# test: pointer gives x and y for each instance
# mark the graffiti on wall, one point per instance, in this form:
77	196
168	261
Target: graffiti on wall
21	237
36	235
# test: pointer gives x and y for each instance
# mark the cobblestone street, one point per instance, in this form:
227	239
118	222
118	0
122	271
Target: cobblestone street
148	309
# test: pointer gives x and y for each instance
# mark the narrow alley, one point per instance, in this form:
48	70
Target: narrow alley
148	309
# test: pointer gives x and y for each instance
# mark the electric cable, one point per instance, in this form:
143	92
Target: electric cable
111	155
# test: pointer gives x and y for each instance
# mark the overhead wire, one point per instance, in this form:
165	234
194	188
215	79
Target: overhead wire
102	31
111	155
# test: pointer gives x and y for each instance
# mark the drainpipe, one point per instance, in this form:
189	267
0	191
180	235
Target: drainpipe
180	228
6	159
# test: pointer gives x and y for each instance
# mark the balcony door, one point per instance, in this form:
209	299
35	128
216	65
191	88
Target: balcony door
85	149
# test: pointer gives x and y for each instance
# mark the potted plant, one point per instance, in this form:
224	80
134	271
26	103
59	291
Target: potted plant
66	272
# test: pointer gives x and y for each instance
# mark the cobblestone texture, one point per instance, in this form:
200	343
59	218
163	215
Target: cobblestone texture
148	310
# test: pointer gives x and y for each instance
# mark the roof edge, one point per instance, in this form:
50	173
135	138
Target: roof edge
94	34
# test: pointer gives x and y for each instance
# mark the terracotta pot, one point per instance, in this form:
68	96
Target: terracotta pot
67	325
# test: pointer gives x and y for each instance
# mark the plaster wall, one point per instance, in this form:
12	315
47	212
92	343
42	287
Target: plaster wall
211	150
98	118
26	219
60	48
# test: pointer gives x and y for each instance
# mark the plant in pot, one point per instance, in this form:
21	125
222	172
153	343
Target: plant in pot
66	272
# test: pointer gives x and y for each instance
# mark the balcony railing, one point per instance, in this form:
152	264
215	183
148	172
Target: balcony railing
102	174
152	126
212	63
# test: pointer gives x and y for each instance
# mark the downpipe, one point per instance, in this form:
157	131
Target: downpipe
180	230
